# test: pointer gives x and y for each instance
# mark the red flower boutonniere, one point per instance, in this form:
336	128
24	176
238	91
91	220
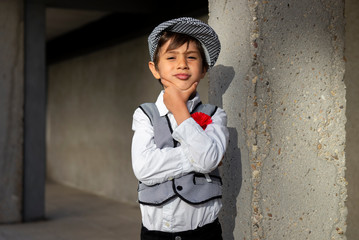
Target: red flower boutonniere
202	119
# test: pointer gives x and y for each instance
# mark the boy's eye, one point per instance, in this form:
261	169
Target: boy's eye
192	57
170	58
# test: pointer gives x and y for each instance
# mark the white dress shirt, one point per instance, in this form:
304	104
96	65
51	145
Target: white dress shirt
199	150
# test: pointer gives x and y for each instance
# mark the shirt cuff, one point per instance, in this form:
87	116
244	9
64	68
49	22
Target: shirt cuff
183	134
186	129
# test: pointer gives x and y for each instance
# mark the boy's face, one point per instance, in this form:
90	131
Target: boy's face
181	66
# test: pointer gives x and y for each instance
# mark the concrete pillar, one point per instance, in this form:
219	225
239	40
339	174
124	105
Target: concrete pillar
280	80
34	109
352	127
11	109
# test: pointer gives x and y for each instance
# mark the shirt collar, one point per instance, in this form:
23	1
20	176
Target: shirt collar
162	109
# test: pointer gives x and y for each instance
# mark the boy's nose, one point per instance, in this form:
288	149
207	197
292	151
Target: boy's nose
182	63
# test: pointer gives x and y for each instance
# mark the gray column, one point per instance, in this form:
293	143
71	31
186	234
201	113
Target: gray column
11	109
280	80
34	119
352	126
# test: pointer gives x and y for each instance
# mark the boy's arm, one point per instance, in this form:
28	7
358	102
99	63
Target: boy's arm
204	148
200	150
152	165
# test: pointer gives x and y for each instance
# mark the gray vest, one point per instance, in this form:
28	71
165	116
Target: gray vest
193	188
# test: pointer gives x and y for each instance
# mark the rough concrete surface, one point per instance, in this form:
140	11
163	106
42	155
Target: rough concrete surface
287	107
228	90
11	109
352	112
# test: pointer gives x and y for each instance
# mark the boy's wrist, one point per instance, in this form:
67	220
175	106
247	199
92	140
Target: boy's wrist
181	114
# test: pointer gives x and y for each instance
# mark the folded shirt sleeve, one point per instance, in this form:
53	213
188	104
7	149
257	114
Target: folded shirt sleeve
204	148
152	165
200	150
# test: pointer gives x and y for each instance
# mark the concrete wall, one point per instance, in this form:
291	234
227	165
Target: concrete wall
90	105
11	109
352	127
280	79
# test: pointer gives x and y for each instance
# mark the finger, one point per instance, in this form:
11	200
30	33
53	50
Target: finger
189	91
193	87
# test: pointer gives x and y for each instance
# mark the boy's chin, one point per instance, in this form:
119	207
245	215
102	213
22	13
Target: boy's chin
185	86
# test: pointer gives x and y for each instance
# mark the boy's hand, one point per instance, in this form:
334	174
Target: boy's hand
176	99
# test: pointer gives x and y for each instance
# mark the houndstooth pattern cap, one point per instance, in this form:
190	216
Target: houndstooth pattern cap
192	27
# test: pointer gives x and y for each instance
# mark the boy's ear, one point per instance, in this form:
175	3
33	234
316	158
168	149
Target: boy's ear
153	69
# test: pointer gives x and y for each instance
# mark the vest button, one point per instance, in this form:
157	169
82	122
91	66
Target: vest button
178	238
179	188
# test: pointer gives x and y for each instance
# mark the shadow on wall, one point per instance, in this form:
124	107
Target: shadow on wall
231	170
232	179
220	77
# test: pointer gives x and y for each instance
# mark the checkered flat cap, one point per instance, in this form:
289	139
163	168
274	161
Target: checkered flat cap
192	27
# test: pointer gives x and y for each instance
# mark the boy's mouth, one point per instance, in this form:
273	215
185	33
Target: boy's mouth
183	76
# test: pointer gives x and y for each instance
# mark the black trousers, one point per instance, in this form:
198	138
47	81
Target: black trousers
211	231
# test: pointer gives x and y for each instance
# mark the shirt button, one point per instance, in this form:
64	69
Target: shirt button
178	238
179	188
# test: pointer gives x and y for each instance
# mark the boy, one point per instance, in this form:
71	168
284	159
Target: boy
178	141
